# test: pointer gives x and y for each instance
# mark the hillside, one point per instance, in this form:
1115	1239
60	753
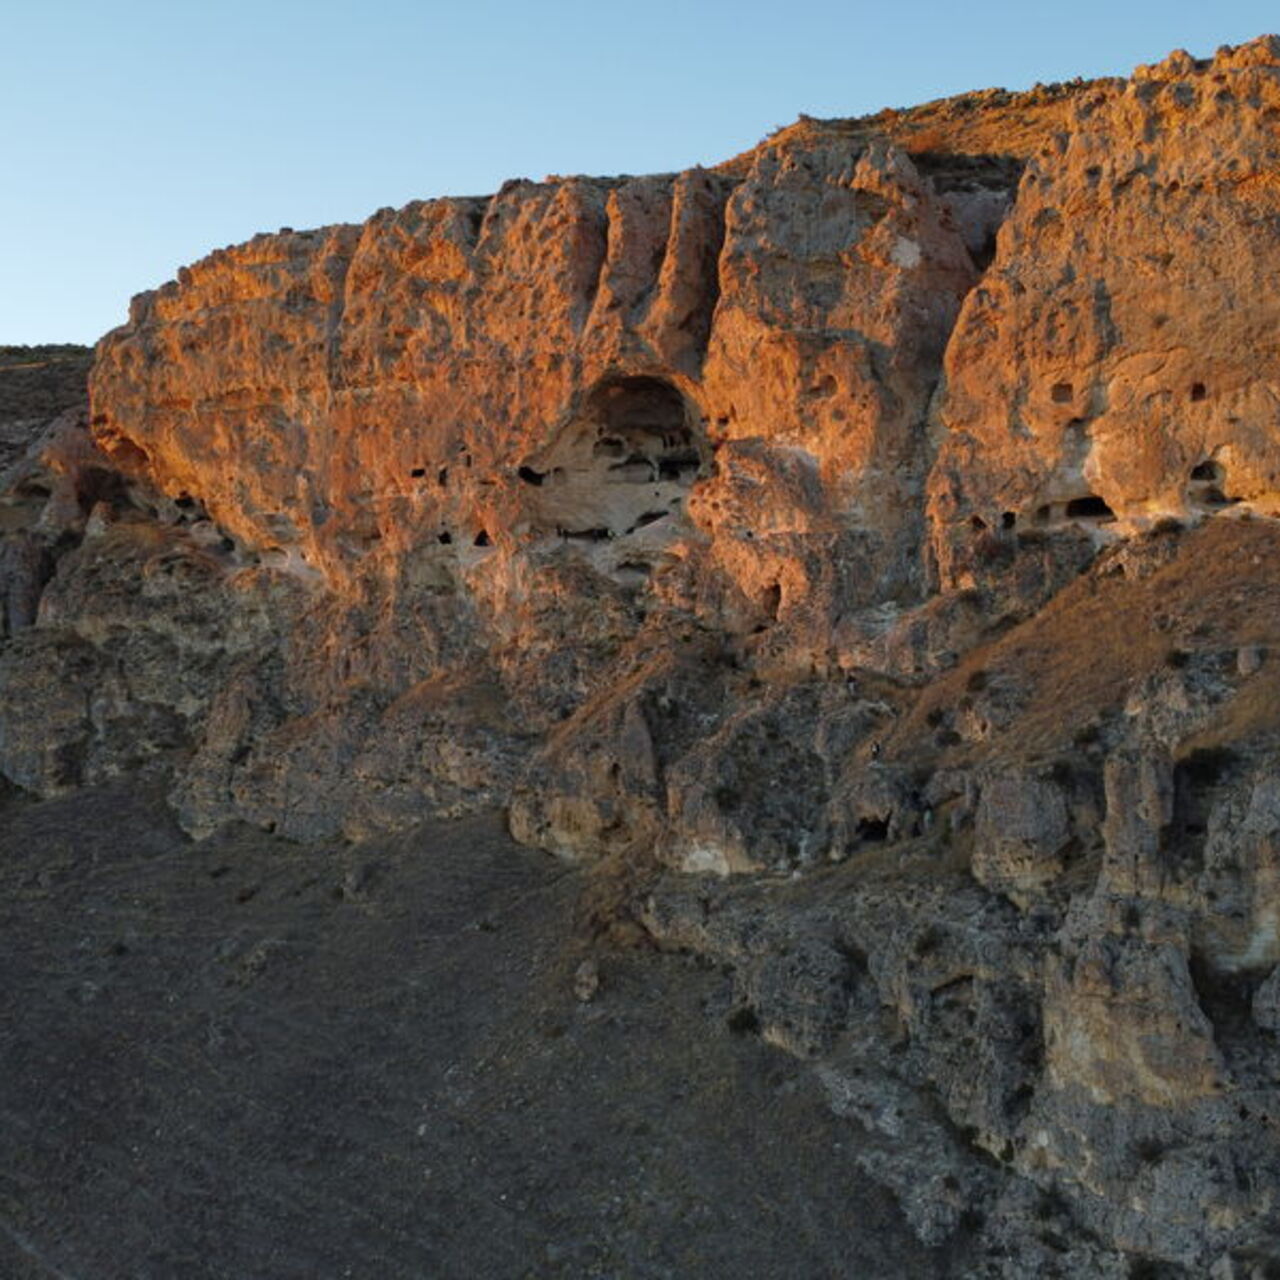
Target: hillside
854	568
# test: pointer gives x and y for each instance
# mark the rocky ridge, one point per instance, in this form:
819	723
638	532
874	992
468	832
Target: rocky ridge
862	555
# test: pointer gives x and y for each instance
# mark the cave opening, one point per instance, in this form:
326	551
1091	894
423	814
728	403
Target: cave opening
624	463
1090	507
873	830
1205	486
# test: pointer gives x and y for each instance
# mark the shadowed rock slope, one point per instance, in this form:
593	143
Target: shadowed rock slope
860	559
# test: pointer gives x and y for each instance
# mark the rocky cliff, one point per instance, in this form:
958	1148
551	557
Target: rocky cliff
863	554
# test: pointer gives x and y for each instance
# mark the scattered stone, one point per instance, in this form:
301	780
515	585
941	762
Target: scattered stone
586	980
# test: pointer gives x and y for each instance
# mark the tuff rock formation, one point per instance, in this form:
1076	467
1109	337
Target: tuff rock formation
863	554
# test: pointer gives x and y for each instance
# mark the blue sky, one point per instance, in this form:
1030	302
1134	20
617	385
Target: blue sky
139	135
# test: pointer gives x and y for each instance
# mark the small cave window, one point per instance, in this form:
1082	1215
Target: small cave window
1205	487
445	538
97	484
1008	519
482	539
417	473
1090	507
1198	392
1062	392
873	830
530	476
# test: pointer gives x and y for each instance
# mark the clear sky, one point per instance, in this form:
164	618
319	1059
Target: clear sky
140	134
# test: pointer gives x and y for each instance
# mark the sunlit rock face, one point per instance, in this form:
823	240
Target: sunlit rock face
512	444
563	361
499	440
1108	372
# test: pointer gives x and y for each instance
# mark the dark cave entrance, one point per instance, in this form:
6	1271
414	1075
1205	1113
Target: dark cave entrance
624	464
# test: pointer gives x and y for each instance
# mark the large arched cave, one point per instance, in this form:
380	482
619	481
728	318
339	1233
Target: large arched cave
624	463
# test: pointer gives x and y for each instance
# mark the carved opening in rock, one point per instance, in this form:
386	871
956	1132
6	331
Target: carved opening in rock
873	830
1062	392
1226	998
1198	391
482	539
1196	782
1206	486
97	484
624	464
1090	507
444	538
417	473
1008	519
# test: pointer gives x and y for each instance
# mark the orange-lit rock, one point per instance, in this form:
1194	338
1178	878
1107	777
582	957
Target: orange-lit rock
1110	369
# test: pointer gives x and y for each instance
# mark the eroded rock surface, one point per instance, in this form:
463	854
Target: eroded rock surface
862	557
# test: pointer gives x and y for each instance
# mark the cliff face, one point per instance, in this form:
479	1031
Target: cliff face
648	401
891	507
562	359
1110	365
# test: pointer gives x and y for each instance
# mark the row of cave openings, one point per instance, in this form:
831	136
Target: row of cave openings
1205	495
626	462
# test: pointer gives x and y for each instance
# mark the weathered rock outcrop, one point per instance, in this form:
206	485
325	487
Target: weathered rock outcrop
1107	373
865	551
